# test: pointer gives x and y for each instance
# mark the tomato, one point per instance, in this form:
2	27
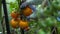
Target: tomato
27	11
14	23
26	29
23	24
56	5
14	14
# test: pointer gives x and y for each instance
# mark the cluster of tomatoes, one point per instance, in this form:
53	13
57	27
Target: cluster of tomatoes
16	22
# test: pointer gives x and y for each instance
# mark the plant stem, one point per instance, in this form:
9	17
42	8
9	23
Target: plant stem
2	23
19	3
6	17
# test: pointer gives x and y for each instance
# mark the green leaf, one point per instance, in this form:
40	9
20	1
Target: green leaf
41	31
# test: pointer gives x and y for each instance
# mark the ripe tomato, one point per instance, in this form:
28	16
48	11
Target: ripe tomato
23	24
14	23
14	14
27	11
27	28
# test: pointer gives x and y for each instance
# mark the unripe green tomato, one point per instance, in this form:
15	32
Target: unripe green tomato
56	5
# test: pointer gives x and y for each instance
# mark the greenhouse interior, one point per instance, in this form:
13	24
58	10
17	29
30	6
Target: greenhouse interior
29	16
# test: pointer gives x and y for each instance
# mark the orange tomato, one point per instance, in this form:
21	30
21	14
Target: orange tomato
14	14
14	23
23	24
27	11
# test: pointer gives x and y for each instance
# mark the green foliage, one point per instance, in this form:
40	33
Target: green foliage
13	6
0	10
41	31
